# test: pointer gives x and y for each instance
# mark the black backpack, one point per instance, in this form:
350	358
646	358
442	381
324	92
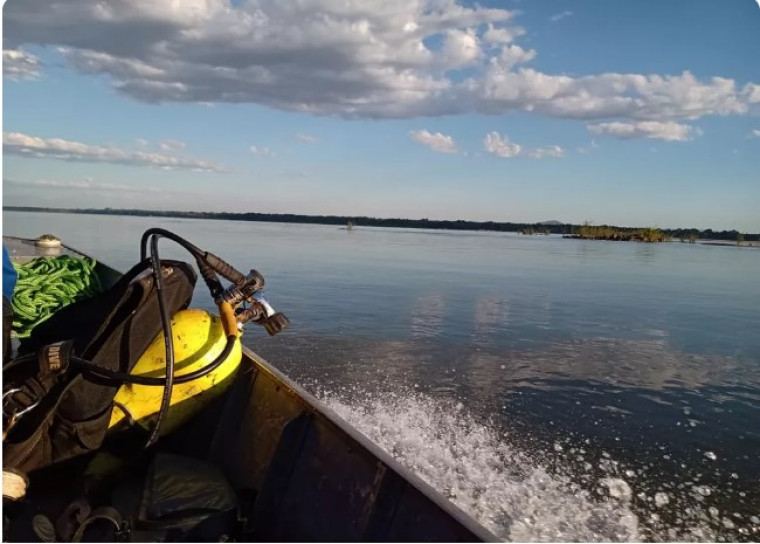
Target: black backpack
62	412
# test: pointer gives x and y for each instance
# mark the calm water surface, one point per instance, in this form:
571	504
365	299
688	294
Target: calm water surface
556	389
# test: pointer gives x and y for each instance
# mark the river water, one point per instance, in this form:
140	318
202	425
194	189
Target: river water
555	389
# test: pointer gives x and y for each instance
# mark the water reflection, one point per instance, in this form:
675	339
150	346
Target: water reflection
491	318
646	253
426	319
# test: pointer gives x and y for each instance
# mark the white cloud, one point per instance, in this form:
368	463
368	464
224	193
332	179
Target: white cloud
142	142
752	93
19	65
171	145
756	133
351	59
589	148
436	141
308	138
542	152
512	55
24	145
559	16
83	184
260	150
499	145
460	48
656	130
630	96
502	35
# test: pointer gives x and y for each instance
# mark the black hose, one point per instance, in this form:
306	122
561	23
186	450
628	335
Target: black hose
202	258
166	325
194	250
126	377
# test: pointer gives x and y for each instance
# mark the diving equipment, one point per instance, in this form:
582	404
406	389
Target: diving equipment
198	338
123	349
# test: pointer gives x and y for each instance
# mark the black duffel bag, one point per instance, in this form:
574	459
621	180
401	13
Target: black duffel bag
54	411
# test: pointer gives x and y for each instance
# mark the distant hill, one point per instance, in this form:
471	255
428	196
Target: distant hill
553	222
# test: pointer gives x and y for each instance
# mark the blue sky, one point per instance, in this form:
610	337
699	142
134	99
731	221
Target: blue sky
629	113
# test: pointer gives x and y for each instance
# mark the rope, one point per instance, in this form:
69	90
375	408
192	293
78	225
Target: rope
45	285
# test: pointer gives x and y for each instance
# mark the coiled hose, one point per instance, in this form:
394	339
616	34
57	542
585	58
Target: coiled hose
45	285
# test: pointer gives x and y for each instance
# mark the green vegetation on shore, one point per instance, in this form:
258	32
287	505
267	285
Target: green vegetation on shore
551	227
533	230
588	232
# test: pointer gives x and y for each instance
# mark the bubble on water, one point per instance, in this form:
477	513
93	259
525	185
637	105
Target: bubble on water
511	492
755	520
502	488
557	447
714	512
618	488
711	456
661	498
630	473
702	490
728	524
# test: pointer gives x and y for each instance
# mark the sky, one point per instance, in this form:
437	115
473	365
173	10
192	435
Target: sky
642	113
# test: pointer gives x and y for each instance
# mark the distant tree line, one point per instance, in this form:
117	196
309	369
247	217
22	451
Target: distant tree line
498	226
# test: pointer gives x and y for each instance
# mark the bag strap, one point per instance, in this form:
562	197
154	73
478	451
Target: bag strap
14	454
21	398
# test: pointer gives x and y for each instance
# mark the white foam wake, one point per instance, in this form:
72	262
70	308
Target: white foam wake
474	465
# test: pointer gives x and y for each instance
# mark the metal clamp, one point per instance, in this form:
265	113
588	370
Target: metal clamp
15	415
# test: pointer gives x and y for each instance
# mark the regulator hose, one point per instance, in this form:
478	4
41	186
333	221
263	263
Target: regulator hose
45	285
166	325
125	377
203	259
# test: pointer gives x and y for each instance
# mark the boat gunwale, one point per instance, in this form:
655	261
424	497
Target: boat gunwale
317	407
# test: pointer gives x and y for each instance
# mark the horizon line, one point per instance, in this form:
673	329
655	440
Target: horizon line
345	218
